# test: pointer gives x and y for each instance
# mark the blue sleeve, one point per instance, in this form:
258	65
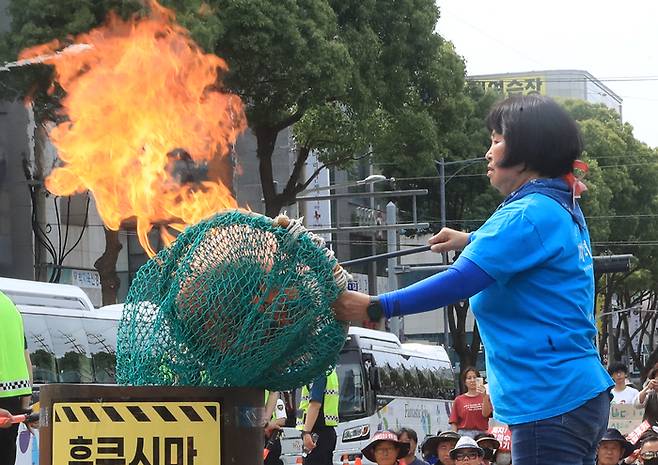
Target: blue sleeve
317	389
461	280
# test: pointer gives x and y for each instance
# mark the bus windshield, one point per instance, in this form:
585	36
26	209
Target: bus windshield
403	375
351	376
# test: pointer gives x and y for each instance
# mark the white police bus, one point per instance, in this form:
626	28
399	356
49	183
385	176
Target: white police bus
384	385
68	339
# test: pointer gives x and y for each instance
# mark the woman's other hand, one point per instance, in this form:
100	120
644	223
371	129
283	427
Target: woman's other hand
447	240
351	306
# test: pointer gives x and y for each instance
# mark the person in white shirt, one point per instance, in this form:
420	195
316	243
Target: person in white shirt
622	394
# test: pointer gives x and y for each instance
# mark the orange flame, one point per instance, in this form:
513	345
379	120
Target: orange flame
142	105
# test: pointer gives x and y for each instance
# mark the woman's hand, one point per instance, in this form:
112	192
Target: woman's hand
651	386
447	240
351	306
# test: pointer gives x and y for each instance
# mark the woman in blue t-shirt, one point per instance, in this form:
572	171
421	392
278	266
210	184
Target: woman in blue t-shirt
529	274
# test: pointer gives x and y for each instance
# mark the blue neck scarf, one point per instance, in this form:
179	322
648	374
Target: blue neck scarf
555	188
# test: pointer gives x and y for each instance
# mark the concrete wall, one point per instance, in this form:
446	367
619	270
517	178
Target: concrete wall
16	253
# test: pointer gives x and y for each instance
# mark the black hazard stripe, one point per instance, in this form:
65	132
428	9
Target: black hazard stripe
190	413
90	414
112	413
164	413
138	413
212	410
70	414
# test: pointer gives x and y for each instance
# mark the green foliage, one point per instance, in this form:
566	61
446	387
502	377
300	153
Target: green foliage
357	76
621	204
36	22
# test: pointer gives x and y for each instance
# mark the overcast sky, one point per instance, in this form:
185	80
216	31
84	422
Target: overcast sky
617	42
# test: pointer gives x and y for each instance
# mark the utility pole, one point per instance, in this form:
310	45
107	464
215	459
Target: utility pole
441	167
444	261
391	219
372	269
611	337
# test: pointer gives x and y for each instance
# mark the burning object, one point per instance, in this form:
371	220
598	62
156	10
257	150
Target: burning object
145	115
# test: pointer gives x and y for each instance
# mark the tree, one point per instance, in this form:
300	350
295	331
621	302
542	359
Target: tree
622	216
351	78
35	22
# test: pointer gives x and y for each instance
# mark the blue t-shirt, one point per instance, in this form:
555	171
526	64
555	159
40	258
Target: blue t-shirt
537	319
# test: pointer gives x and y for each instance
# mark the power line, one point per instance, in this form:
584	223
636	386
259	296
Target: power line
427	178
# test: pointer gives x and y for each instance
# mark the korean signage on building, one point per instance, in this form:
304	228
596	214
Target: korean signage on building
516	85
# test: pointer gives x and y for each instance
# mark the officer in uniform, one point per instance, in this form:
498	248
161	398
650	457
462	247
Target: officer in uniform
15	375
318	418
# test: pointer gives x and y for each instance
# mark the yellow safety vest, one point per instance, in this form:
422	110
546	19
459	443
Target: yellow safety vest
14	376
329	404
267	396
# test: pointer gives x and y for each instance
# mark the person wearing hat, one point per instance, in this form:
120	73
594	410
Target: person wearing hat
439	446
489	445
385	449
467	452
613	447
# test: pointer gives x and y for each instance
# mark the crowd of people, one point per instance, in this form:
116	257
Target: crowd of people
451	448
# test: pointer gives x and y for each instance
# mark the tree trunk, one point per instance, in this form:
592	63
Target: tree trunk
266	139
466	352
107	267
39	205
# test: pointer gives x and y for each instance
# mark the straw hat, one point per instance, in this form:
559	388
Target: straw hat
381	436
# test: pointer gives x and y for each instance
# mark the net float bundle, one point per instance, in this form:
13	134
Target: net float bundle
238	300
238	303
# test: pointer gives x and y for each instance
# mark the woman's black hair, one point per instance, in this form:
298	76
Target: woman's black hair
539	134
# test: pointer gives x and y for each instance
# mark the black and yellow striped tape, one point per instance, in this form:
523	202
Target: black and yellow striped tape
135	412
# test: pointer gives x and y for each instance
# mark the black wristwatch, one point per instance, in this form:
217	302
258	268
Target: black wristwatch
375	309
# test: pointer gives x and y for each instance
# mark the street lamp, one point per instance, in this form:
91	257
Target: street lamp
373	178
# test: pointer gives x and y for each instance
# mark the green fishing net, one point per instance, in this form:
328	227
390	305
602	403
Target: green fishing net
237	300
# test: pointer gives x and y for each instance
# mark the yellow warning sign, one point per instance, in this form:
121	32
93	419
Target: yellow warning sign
136	433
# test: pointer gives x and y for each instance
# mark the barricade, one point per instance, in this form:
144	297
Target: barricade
90	424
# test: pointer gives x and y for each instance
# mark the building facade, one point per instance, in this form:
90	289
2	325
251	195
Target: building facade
564	83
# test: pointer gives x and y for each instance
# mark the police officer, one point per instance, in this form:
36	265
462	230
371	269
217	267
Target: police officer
15	375
318	415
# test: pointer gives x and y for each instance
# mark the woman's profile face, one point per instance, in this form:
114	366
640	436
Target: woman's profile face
504	180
